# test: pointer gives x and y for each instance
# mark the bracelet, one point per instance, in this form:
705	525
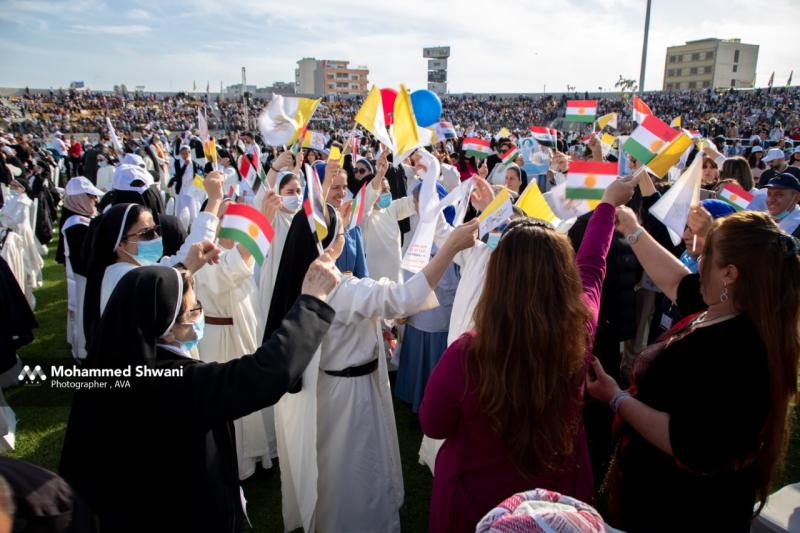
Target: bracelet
633	237
273	168
618	399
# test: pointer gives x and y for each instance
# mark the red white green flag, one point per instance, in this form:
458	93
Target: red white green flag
736	196
477	147
249	227
649	139
581	111
510	155
587	180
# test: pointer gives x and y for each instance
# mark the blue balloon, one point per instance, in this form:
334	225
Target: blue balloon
427	107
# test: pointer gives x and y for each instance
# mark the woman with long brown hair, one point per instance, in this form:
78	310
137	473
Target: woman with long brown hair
507	396
705	426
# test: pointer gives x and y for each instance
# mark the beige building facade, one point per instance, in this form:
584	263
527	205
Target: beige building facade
710	63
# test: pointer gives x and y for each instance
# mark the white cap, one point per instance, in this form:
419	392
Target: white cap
756	148
185	147
133	159
125	175
797	149
773	154
7	150
58	133
81	185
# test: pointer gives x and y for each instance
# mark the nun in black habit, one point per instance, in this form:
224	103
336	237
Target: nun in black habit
160	455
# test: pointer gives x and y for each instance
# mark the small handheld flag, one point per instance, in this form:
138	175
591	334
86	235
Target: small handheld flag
249	227
649	139
640	110
510	155
581	111
545	136
359	207
476	147
736	196
587	180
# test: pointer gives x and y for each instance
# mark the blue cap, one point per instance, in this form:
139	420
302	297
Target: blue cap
718	208
784	181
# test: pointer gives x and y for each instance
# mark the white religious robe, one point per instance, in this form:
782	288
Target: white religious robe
473	262
227	290
16	216
76	290
105	176
382	236
352	479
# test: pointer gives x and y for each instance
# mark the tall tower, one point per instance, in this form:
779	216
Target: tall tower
437	68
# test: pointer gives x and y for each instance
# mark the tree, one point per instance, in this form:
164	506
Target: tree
626	87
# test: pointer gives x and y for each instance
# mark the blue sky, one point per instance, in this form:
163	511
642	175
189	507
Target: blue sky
512	46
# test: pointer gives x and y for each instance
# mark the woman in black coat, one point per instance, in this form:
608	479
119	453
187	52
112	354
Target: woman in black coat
160	454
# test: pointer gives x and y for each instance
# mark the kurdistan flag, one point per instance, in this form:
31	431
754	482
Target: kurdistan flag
249	227
640	110
737	197
649	138
587	180
476	147
581	111
510	156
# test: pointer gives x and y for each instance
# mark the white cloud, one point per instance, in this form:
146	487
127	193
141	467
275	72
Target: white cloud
134	29
138	14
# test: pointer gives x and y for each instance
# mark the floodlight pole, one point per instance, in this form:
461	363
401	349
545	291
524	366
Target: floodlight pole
644	48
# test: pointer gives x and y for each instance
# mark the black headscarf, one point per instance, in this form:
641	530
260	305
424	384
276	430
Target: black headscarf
99	252
141	310
172	232
299	252
15	316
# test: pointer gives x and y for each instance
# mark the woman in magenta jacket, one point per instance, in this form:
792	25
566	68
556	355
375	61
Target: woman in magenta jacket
507	396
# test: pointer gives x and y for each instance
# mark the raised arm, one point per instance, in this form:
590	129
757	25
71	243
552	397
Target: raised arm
596	240
664	269
227	391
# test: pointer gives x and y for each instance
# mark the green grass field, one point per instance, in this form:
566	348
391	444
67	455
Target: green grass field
42	417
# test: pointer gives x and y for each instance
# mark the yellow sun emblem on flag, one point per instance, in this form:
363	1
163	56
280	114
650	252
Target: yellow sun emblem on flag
581	111
656	145
252	230
590	181
734	197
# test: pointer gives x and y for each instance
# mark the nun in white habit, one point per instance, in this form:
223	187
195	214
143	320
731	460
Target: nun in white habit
227	292
337	440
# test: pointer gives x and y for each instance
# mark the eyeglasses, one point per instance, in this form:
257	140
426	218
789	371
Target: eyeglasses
361	170
193	313
147	234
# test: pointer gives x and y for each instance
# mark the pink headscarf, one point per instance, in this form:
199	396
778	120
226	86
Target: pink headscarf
542	510
80	204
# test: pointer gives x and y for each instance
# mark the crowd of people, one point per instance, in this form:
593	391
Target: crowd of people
592	359
733	114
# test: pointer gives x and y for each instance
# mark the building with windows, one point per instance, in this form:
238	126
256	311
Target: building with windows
710	63
325	77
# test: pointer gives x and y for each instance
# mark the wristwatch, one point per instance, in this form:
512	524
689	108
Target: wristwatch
633	237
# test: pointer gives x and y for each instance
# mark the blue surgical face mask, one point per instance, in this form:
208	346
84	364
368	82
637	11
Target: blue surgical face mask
689	261
385	200
493	240
197	326
292	202
780	216
149	252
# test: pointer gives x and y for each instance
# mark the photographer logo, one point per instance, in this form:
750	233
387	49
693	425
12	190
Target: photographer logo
30	376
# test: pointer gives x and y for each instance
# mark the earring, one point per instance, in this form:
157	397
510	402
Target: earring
723	297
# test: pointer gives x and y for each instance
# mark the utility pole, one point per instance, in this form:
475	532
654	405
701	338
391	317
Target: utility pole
246	113
644	48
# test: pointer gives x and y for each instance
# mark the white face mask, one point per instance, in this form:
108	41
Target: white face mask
292	202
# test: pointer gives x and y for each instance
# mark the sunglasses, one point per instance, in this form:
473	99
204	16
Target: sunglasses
361	170
147	234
